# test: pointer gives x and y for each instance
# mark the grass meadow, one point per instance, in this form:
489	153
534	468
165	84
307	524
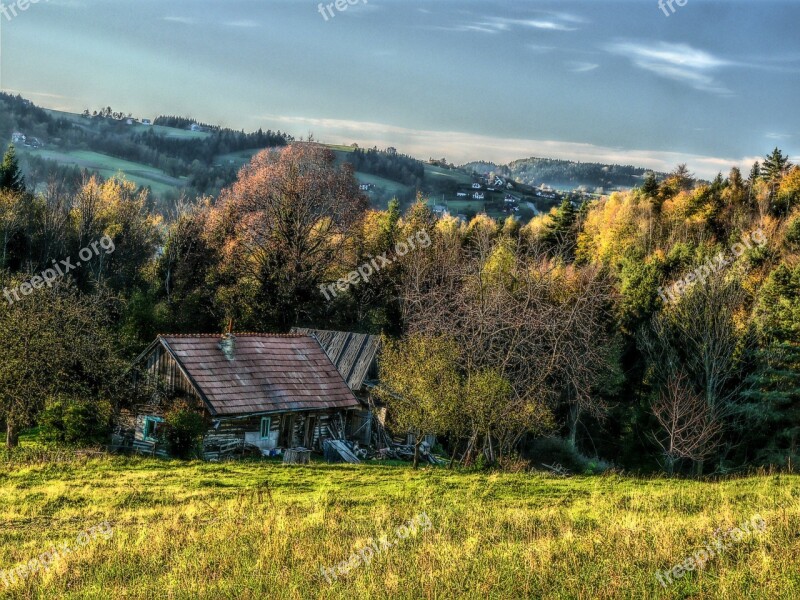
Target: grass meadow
262	529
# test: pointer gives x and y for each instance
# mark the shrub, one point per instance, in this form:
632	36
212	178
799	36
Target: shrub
556	451
184	430
75	422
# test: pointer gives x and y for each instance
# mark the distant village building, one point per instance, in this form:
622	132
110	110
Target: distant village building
18	137
196	127
476	186
146	122
478	195
461	194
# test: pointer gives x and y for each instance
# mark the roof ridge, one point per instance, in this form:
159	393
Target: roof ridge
235	334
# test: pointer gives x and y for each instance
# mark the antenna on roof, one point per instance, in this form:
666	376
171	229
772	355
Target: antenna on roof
230	326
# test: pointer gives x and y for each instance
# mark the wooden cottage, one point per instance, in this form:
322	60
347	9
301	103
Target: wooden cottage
258	390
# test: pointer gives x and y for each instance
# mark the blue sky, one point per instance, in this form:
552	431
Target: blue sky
712	84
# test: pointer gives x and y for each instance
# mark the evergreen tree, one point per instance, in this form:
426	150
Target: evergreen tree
650	185
561	233
775	166
772	409
755	173
11	178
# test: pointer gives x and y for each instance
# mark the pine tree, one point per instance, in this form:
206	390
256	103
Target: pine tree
772	409
11	178
755	173
775	166
650	185
561	235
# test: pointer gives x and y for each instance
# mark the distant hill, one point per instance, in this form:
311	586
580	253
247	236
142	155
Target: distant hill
565	174
174	156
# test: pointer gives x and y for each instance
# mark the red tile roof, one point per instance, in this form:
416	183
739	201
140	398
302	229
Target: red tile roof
267	373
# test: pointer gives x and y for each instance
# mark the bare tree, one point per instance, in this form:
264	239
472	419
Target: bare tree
690	429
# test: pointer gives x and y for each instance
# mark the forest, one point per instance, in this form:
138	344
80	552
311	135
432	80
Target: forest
548	342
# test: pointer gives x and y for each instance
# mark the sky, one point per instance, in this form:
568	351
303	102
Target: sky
711	84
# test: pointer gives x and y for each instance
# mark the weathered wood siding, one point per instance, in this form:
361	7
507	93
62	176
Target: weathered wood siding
161	365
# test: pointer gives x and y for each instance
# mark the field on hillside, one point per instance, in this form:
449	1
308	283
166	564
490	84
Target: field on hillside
262	529
109	166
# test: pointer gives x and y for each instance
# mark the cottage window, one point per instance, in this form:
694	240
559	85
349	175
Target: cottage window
151	428
266	422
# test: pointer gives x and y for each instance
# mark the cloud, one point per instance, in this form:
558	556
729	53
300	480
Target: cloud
546	22
541	49
677	62
462	147
26	93
777	136
182	20
581	67
244	23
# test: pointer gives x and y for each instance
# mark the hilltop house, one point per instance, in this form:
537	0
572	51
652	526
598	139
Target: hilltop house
17	138
262	391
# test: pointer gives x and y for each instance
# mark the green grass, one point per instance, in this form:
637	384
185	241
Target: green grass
239	159
435	173
108	166
391	187
261	529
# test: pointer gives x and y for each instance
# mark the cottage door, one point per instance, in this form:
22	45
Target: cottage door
287	431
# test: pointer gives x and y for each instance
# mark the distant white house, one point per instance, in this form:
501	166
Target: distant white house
440	210
510	199
461	194
476	186
478	196
146	122
196	127
365	187
129	121
17	138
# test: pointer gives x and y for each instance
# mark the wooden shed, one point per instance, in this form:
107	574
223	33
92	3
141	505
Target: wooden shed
355	356
265	391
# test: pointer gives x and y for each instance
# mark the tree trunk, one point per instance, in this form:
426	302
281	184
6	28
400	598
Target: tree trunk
417	444
12	436
699	468
574	415
455	450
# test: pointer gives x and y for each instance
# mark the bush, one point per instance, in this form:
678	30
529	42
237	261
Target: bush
184	430
556	451
75	422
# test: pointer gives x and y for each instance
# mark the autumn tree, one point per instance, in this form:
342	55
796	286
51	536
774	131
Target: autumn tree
421	385
288	218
